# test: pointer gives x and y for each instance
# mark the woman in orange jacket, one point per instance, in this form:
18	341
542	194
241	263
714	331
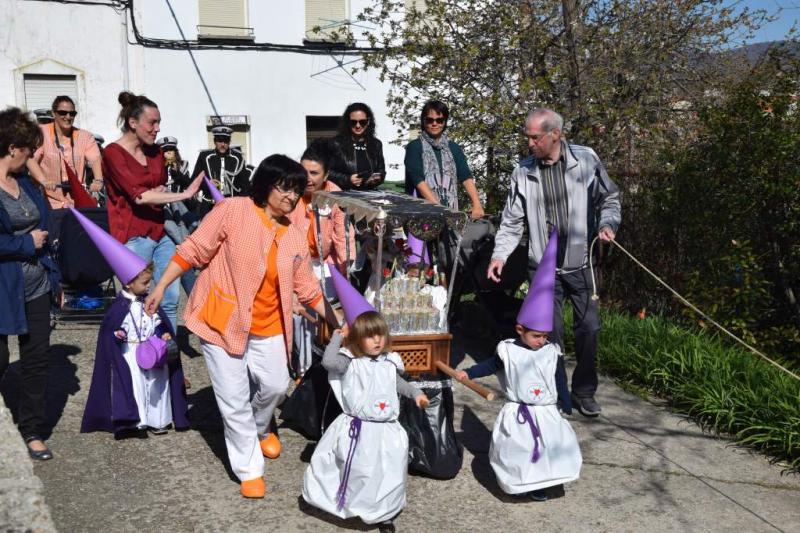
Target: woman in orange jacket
241	307
330	241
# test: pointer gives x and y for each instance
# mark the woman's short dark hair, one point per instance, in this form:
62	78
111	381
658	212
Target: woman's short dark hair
279	170
319	151
434	105
60	100
132	107
344	124
18	128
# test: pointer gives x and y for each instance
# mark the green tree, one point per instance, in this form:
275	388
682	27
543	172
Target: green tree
618	70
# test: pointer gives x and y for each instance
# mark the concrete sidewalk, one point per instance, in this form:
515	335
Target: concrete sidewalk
645	469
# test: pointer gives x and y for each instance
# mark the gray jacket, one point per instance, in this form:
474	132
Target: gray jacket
593	201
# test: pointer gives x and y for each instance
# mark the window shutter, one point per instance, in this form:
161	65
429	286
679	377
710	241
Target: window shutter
223	18
41	89
324	13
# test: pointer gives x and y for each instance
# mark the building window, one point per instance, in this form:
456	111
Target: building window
321	127
240	124
224	19
41	89
330	16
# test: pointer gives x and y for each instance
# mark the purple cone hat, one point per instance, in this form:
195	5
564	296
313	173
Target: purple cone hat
419	252
353	303
212	189
125	264
537	309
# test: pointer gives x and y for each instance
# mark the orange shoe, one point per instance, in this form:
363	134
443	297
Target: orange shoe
253	488
271	446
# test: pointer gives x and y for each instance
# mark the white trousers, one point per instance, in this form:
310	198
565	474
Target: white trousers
248	387
151	391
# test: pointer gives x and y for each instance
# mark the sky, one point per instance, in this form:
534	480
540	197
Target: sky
787	12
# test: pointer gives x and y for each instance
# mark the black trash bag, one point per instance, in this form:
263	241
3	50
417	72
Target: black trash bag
312	406
432	445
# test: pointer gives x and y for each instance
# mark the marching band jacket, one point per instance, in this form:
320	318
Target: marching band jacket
234	181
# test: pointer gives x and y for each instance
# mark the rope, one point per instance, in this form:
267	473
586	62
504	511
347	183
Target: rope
686	302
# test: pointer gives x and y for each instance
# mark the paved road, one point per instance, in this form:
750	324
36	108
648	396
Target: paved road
644	469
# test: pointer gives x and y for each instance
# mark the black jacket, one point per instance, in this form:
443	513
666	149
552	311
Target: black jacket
344	163
236	182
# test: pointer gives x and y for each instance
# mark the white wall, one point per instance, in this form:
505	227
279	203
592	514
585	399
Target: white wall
52	38
275	89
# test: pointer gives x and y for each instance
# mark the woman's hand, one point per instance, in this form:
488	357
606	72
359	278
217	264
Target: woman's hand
153	300
39	238
477	212
96	186
422	401
194	186
356	180
461	375
120	334
166	336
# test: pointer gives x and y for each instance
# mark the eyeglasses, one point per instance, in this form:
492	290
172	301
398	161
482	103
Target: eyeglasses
287	192
437	120
363	123
222	140
64	113
539	136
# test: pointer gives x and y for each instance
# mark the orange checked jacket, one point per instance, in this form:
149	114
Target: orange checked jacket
334	247
233	242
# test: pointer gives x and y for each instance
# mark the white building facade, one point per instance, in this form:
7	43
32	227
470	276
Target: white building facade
275	99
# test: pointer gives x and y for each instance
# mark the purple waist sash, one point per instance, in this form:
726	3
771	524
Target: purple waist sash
524	417
354	433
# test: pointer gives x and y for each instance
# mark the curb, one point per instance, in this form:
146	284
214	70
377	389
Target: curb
23	505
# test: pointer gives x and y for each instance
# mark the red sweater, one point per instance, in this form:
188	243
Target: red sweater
126	179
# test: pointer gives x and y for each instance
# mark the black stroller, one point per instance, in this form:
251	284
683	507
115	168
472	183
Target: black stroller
86	278
473	261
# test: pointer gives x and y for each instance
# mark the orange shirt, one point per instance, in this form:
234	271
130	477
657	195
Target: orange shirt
312	228
267	315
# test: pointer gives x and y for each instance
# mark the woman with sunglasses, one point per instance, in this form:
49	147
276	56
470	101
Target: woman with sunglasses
359	163
65	146
254	261
435	165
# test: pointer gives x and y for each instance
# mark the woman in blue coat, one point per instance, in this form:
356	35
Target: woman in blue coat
29	279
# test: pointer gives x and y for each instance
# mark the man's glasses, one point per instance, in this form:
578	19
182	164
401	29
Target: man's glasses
363	123
435	120
539	136
64	113
222	140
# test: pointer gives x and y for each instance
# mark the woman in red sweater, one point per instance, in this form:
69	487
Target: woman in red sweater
135	184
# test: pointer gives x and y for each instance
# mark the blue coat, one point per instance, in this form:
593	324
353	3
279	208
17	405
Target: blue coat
13	249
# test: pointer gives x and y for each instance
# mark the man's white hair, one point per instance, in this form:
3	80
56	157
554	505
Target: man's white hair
552	120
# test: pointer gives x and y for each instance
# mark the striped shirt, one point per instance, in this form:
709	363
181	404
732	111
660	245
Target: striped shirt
556	203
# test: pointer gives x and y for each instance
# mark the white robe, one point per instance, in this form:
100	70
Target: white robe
377	481
150	387
529	382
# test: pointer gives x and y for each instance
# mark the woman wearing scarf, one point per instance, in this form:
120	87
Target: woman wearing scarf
434	165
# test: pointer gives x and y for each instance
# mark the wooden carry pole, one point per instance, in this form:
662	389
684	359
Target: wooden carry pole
480	389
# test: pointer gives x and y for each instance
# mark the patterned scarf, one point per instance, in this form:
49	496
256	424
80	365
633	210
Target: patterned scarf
442	182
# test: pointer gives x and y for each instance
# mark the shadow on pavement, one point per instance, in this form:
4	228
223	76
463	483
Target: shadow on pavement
349	523
62	382
204	418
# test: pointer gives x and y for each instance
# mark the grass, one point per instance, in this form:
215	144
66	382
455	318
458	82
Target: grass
725	389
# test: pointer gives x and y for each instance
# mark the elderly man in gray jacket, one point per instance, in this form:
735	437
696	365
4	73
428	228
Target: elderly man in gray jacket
562	186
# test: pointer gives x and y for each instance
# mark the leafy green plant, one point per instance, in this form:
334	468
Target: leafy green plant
725	389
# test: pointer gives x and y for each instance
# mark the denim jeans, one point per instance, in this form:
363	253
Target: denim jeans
160	253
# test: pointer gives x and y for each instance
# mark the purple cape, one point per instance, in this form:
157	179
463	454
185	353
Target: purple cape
111	405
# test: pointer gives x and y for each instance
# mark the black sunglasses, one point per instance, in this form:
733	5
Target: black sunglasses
363	123
63	113
437	120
